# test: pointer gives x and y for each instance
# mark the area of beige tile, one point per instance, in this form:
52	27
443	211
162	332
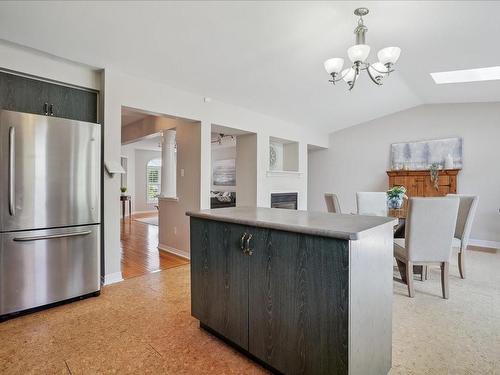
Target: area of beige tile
143	326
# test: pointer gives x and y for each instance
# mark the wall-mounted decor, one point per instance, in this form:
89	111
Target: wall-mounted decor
224	172
275	156
422	154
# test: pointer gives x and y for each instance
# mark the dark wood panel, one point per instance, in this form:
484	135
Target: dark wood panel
219	279
72	103
22	94
298	320
29	95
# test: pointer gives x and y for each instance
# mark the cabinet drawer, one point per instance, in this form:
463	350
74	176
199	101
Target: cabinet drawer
46	266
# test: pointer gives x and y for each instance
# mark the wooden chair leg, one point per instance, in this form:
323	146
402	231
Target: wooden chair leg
445	267
402	270
461	263
409	279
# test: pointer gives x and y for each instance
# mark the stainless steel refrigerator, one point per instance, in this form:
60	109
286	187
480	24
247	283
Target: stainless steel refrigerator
50	170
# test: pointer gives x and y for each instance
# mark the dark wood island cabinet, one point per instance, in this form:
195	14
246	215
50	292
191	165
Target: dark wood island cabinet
301	292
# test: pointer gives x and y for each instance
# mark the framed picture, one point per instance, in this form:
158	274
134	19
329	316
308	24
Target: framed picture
421	154
224	172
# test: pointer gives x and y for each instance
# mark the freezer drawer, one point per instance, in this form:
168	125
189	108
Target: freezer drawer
45	266
49	172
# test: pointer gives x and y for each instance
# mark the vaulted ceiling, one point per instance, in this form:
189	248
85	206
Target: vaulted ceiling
268	56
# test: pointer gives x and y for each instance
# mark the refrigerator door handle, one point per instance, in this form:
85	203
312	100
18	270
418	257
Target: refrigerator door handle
12	176
50	236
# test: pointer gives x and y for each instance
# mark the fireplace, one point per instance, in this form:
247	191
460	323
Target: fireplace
284	200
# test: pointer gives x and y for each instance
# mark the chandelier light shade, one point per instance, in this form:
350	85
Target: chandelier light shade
334	65
389	55
348	75
358	54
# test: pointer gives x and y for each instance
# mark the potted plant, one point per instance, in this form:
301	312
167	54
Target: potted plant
434	169
395	197
123	189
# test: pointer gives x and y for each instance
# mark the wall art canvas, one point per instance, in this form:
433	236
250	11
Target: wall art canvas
224	172
421	154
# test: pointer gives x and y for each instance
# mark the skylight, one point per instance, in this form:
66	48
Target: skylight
467	75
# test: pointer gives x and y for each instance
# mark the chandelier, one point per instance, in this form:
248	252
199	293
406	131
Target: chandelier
358	54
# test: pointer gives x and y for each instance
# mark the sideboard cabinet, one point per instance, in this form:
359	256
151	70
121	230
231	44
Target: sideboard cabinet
419	184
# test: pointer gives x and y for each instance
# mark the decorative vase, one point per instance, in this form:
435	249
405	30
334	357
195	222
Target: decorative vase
395	203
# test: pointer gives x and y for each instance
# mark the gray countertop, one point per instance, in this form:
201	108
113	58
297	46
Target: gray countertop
348	227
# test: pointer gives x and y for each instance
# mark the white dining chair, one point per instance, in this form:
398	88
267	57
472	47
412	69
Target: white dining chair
372	203
430	227
466	213
332	203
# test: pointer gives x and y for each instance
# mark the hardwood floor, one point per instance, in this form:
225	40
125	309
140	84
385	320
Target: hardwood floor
139	251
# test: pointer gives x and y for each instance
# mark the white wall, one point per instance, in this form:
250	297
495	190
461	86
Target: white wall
29	61
359	156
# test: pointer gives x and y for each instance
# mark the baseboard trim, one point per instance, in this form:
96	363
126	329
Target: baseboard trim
144	212
485	243
173	250
113	278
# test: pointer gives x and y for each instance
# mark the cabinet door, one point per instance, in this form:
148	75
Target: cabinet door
23	94
298	319
219	278
416	186
73	103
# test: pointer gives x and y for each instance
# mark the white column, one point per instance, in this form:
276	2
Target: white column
168	165
205	163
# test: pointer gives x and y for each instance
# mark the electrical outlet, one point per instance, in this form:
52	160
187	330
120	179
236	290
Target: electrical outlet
175	231
182	172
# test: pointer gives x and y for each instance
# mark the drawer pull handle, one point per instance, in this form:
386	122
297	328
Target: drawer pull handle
50	236
242	241
248	250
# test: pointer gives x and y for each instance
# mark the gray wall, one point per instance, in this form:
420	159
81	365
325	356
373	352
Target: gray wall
358	157
174	224
246	170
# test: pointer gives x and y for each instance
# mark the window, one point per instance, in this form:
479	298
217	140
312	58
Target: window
153	179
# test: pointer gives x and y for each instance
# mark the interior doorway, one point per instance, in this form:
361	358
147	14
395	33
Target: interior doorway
141	186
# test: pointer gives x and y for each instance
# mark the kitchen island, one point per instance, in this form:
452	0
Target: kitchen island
300	292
